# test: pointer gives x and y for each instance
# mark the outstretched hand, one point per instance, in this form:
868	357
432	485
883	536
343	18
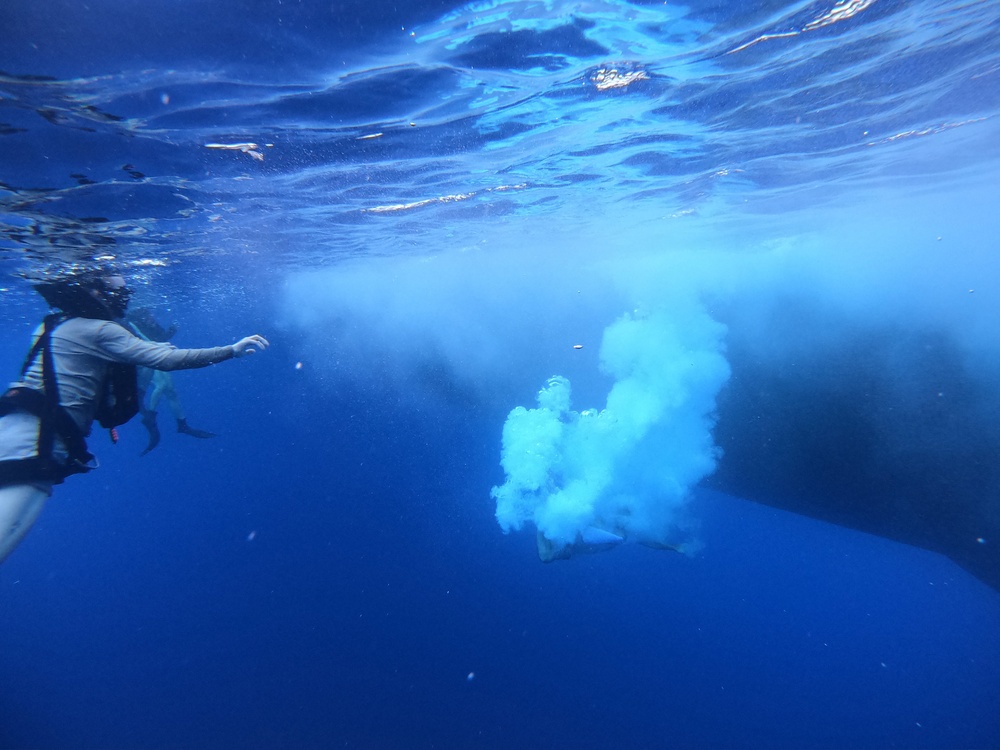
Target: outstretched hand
249	345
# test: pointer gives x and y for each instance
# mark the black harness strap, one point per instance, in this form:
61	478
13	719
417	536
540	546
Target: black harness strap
53	420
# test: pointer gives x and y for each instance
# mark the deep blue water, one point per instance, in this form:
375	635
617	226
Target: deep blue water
442	200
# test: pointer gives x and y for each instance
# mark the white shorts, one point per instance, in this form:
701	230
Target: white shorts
19	438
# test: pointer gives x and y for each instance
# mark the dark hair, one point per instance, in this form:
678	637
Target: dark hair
73	296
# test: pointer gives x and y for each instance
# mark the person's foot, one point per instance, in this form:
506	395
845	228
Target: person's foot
149	422
183	427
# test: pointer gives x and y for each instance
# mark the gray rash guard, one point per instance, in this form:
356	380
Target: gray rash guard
83	348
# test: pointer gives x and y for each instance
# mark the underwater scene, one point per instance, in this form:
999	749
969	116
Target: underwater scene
628	374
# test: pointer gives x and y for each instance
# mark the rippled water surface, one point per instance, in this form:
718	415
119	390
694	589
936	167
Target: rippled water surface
317	134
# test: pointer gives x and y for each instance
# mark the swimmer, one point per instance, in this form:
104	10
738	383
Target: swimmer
81	367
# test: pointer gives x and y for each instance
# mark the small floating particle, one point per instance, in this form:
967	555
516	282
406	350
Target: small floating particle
578	346
251	536
369	137
980	540
298	365
470	677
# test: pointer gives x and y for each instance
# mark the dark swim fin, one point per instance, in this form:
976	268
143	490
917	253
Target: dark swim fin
149	422
182	427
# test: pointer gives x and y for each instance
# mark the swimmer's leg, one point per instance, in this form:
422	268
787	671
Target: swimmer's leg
182	425
164	388
149	422
591	539
20	505
155	394
185	429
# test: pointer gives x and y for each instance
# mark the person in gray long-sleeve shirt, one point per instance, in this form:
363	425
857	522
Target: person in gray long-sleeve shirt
41	442
81	349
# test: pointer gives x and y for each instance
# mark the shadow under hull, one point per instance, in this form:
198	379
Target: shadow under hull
885	431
